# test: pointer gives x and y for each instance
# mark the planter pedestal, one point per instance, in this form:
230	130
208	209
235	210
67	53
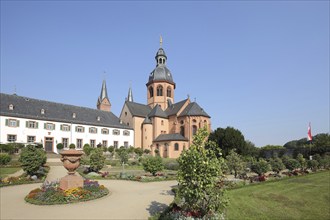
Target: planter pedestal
71	161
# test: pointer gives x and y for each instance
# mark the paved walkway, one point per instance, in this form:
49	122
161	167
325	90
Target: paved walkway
128	200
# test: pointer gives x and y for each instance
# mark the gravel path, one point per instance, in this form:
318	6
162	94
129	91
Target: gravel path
127	200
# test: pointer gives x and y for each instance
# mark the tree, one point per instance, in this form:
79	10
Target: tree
146	151
302	161
123	155
87	149
313	164
198	174
260	167
292	164
32	159
235	162
96	160
138	151
4	158
153	165
228	139
276	164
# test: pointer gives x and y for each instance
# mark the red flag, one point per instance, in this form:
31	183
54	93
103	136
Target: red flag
309	133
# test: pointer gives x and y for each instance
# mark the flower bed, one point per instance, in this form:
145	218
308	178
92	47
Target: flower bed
50	193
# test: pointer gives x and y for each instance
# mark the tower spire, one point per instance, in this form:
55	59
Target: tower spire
130	94
103	102
160	41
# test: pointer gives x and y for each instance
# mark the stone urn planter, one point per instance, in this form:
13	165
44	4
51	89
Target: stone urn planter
71	161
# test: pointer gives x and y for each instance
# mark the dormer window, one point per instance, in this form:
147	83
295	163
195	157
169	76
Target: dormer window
73	115
11	107
42	111
116	132
98	118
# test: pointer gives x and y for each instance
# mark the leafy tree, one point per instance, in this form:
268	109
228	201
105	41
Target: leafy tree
269	151
302	161
235	162
153	164
111	149
96	160
228	139
131	150
292	164
313	164
87	149
276	164
123	155
251	149
138	151
198	174
32	159
146	151
260	167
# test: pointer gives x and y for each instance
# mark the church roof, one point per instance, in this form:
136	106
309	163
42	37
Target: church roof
193	109
157	111
138	109
161	73
104	93
175	108
170	137
147	121
31	108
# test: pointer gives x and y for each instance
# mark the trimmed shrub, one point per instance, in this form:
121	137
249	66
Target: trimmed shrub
59	146
111	149
96	160
32	159
146	151
171	165
292	164
153	165
87	149
138	151
260	167
4	159
72	146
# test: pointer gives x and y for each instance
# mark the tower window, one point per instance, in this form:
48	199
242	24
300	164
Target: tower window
151	91
160	60
169	92
159	90
182	130
176	146
194	129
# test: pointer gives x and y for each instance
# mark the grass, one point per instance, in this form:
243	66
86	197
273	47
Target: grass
302	197
5	171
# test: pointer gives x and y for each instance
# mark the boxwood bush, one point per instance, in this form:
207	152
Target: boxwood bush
4	159
32	159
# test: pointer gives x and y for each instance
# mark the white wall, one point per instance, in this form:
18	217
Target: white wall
22	132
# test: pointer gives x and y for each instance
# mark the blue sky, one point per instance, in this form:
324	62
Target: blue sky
259	66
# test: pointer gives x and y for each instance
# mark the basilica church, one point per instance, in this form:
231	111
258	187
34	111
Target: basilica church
163	125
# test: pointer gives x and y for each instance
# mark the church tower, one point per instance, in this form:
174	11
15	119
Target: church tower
103	102
160	86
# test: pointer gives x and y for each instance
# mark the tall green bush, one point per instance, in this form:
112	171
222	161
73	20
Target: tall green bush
123	155
97	160
87	149
198	175
153	165
235	162
4	158
276	164
32	159
260	167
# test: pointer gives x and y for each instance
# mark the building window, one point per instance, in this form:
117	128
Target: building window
12	123
11	137
104	143
115	144
194	121
80	129
116	132
159	90
92	130
42	111
98	118
65	142
126	133
194	129
65	127
32	124
151	91
126	144
176	146
181	122
105	131
125	113
79	143
31	139
182	130
162	122
92	143
11	107
169	92
49	126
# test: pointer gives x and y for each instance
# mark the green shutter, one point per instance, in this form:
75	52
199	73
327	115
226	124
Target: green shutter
26	124
17	123
76	128
37	124
44	125
69	127
7	122
61	127
54	126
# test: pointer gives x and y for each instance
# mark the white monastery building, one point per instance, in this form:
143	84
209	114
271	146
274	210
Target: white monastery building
26	120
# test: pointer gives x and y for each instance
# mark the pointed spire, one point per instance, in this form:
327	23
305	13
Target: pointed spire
130	94
104	93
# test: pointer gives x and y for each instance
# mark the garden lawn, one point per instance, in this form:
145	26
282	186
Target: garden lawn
302	197
4	171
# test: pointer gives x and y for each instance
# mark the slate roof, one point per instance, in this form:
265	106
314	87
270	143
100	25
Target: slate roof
170	137
193	109
147	121
138	109
31	108
172	110
157	111
161	73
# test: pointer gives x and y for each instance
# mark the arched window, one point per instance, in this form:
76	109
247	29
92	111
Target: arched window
159	90
151	91
169	92
182	130
160	60
162	122
176	146
194	121
194	129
